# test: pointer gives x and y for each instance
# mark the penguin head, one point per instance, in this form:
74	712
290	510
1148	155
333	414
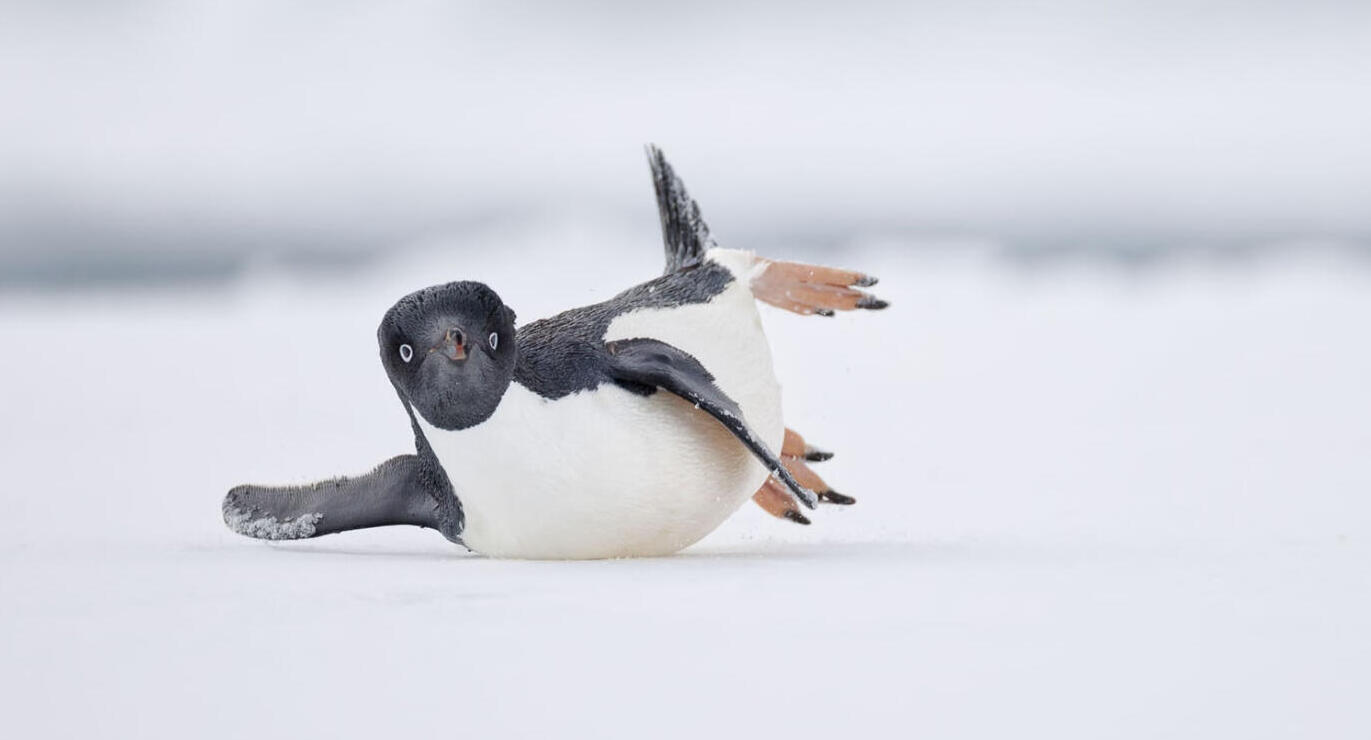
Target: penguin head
450	352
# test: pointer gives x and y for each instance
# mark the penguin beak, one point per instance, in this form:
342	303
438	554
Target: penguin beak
453	345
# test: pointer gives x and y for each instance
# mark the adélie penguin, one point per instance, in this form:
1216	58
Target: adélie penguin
632	427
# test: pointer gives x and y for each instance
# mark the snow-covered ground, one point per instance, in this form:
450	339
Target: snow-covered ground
1093	503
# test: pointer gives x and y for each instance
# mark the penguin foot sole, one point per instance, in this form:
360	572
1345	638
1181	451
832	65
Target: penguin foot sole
795	452
813	290
811	480
776	500
796	446
833	497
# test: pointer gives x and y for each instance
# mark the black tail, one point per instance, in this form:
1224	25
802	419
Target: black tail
684	231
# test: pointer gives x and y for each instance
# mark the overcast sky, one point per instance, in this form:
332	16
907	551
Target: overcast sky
250	125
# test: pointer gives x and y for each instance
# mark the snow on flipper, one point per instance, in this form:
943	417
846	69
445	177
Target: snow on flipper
684	231
402	490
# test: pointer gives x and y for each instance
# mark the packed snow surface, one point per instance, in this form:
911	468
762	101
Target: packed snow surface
1092	503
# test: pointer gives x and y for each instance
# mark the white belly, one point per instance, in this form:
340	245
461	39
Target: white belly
608	473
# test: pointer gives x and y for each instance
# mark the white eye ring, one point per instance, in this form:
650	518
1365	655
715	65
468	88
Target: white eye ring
494	340
406	352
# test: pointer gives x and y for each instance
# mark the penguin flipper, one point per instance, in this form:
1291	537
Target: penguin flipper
396	492
644	365
684	231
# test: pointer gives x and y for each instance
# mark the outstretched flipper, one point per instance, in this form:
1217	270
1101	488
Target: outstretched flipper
644	365
684	231
400	491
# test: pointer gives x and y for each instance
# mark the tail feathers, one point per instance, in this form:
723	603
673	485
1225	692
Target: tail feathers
684	231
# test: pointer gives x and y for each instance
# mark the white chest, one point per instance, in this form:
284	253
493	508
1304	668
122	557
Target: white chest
608	473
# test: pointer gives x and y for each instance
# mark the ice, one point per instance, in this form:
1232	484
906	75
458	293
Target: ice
1091	503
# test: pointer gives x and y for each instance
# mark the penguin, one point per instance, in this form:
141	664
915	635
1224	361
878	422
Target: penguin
628	428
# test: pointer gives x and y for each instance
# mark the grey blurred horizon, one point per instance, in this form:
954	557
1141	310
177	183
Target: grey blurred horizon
158	142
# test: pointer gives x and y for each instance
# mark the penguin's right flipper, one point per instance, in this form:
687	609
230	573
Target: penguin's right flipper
644	365
399	491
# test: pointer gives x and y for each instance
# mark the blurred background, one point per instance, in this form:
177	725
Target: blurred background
158	141
1109	440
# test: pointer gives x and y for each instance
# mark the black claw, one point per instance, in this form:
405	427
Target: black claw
823	312
814	454
795	516
866	281
833	497
871	302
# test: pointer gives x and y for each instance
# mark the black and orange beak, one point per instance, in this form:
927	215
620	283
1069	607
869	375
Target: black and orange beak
453	345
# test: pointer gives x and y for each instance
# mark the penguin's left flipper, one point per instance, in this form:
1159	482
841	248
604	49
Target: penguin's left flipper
402	490
644	365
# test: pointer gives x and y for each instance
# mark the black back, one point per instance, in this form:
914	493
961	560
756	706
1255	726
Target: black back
565	353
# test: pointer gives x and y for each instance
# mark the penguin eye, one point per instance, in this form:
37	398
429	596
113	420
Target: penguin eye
406	352
494	340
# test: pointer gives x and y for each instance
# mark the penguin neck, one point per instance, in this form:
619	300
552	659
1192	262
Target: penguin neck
452	519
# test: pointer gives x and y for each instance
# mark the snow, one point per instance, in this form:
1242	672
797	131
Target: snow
1092	503
241	521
